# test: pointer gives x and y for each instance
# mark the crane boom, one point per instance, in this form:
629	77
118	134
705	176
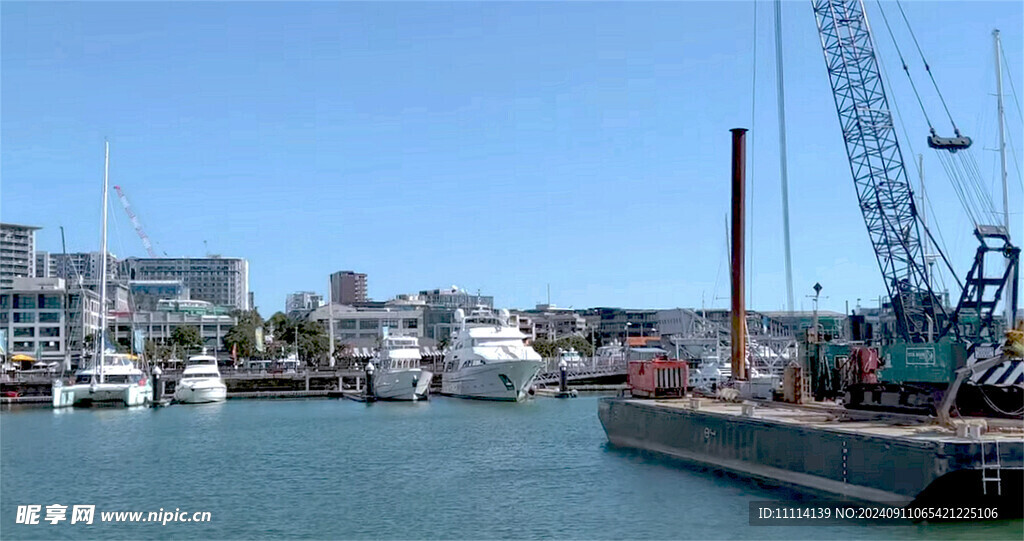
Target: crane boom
135	222
883	190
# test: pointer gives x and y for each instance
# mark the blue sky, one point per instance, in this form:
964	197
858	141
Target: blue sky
498	146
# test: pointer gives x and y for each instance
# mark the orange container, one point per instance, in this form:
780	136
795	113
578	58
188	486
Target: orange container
658	378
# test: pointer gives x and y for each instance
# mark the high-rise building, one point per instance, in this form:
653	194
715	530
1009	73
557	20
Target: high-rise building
223	281
75	266
302	302
348	287
17	253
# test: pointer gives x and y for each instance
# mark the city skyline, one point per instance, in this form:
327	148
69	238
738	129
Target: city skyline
347	137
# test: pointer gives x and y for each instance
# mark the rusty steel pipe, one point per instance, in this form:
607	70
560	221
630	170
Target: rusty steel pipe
739	312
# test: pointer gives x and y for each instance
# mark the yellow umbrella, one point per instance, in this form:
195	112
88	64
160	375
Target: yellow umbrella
21	358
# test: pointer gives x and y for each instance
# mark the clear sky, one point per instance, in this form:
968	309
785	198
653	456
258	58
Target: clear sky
498	146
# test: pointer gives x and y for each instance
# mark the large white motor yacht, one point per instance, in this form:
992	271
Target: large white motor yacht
399	375
488	358
200	382
113	381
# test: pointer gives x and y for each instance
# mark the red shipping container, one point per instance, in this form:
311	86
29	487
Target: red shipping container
658	378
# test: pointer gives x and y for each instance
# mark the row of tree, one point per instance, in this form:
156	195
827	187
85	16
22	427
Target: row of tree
552	348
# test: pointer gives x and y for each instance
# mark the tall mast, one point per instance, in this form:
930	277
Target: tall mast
1002	135
782	153
103	262
330	322
1011	285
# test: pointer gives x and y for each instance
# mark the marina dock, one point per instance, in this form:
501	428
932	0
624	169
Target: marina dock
856	455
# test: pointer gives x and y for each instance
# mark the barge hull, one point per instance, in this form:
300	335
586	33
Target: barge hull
870	462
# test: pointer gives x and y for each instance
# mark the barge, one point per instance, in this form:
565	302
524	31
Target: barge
860	456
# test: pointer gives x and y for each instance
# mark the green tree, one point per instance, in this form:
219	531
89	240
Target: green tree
313	343
243	334
187	337
545	348
577	342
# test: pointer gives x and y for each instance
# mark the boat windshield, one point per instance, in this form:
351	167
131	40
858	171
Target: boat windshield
122	378
200	375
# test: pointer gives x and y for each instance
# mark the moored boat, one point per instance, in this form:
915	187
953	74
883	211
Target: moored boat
489	359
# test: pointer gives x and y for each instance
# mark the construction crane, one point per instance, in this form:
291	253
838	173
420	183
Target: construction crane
135	222
930	340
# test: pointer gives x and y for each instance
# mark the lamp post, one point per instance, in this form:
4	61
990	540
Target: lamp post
625	350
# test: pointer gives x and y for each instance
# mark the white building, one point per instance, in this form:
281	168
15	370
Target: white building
223	281
301	302
212	322
75	266
17	253
46	320
363	326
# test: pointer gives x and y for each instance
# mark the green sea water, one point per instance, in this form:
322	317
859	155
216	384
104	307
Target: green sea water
334	469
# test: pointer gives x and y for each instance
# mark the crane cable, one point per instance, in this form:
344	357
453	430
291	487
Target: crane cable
942	246
927	68
750	167
969	168
905	68
964	174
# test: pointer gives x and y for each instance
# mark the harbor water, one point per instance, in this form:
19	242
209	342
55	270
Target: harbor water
335	469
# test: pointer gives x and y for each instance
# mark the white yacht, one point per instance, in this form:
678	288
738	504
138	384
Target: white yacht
200	382
399	376
488	358
114	380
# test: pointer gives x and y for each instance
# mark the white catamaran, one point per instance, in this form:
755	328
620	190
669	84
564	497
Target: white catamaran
113	379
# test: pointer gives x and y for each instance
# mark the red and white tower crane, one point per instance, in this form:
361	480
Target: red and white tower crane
135	222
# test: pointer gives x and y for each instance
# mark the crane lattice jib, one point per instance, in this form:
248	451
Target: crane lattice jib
886	199
135	222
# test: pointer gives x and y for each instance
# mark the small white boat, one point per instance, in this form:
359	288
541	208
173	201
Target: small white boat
200	382
113	381
489	359
399	375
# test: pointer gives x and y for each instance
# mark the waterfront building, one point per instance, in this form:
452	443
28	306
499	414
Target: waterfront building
362	327
146	295
17	253
47	320
610	324
548	322
348	287
455	297
222	281
302	302
212	322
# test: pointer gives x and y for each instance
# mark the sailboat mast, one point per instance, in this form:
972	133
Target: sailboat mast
1007	308
103	262
330	322
1002	135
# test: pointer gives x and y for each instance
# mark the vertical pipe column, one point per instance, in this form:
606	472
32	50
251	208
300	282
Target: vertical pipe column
739	315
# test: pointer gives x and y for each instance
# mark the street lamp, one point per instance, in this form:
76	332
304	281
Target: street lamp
626	349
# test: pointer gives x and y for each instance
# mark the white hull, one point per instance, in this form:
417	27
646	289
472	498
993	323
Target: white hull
201	392
102	394
485	382
408	384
